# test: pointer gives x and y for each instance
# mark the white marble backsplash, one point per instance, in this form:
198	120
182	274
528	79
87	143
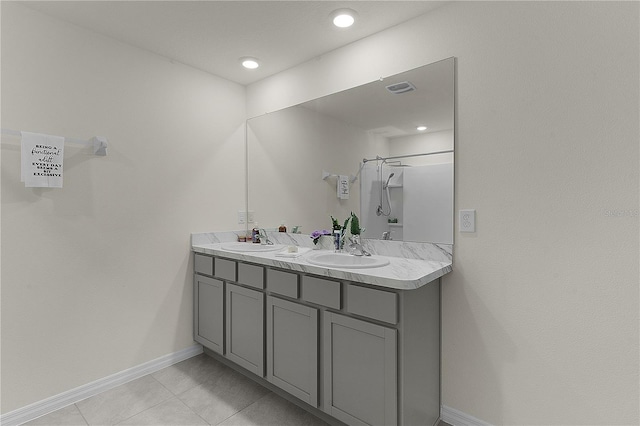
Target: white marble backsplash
403	249
410	250
215	237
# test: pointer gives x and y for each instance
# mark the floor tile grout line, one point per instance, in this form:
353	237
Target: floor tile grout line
124	384
193	411
162	384
227	418
173	395
149	408
245	408
176	396
82	415
183	391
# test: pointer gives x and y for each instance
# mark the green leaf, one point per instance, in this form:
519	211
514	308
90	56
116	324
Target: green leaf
355	224
345	223
336	226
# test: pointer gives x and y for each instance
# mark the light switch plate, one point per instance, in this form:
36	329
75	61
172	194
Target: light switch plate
246	217
467	220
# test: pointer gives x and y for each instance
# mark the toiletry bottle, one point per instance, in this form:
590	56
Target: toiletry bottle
255	234
282	228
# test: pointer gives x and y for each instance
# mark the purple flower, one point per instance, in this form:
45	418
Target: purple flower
317	234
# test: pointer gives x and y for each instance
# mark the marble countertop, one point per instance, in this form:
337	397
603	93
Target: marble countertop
401	273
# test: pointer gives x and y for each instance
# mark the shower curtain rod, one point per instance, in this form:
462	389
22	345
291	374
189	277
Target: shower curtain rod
378	158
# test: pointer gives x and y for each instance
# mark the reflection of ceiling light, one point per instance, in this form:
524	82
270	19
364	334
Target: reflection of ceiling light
250	63
421	128
343	18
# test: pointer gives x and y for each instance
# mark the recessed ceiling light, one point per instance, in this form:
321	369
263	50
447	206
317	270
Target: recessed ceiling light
250	63
421	128
343	18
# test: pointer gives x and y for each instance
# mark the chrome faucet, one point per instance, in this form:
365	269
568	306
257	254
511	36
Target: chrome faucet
355	248
264	239
386	235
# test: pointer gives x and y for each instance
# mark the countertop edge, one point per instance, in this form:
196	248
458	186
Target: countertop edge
435	270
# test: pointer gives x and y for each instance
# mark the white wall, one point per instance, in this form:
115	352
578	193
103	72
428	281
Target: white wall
540	315
96	275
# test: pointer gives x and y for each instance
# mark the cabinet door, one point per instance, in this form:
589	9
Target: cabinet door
208	316
360	371
245	328
292	348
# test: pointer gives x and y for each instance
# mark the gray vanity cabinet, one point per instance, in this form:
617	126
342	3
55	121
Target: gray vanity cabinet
245	327
359	353
360	371
292	348
208	317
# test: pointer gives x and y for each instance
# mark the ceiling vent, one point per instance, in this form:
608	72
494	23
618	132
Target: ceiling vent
402	87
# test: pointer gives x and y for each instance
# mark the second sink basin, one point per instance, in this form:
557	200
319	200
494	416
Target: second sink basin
344	260
250	247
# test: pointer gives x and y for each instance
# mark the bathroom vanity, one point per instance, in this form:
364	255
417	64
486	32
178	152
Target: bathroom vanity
361	345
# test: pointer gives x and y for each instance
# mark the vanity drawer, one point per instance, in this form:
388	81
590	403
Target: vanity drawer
321	291
225	269
372	303
203	264
284	283
251	275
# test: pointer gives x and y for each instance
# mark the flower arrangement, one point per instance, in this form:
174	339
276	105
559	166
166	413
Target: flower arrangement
354	228
336	226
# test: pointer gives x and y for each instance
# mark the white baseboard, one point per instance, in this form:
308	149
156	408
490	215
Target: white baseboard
458	418
46	406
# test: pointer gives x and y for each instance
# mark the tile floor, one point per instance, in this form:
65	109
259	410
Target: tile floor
197	391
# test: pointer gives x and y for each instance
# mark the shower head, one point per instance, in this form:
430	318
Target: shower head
386	185
396	163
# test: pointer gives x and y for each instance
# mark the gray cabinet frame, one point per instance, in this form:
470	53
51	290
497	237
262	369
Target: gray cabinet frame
208	316
245	327
350	370
292	348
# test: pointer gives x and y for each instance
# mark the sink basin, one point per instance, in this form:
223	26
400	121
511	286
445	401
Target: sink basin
344	260
251	247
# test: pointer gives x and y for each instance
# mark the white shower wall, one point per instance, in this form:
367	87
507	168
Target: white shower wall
420	198
428	203
428	187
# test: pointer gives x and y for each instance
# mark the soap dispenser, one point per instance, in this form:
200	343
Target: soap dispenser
255	234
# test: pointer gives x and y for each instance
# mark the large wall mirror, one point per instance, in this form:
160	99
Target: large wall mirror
362	150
